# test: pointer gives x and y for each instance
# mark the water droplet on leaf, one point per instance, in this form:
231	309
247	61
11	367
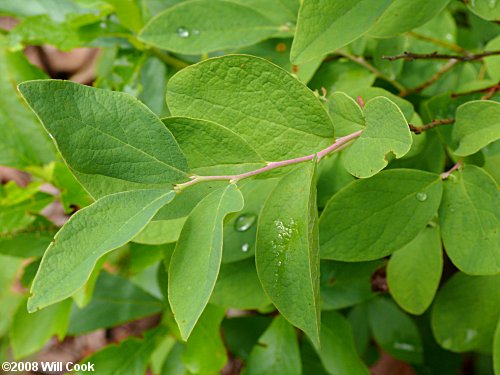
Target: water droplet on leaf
244	222
245	247
421	197
183	32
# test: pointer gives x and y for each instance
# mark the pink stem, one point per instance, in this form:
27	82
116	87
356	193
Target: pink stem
338	144
445	175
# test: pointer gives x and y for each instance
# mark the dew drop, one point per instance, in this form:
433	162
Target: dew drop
183	32
421	197
244	222
245	247
279	263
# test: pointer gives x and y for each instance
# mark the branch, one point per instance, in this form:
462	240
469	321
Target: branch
410	56
336	146
447	174
431	80
361	61
168	59
430	125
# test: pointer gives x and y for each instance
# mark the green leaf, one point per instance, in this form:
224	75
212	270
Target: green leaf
30	332
205	352
395	331
129	357
470	218
160	232
9	300
346	284
255	99
195	263
90	233
201	26
403	199
277	351
238	287
387	134
287	252
346	114
476	126
324	26
115	301
332	177
211	148
414	271
338	352
23	142
133	148
487	9
403	15
466	312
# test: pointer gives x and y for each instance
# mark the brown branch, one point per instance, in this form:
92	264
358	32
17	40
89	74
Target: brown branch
491	92
410	56
430	125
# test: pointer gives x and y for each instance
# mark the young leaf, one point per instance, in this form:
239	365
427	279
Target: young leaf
195	263
129	357
403	15
211	148
92	232
324	26
414	271
470	218
386	133
115	301
201	26
30	332
277	351
287	253
403	199
395	331
457	326
476	126
338	352
110	141
205	352
255	99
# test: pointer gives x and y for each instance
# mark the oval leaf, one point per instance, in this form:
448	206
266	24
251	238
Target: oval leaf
201	26
90	233
403	200
466	312
470	218
110	140
287	253
255	99
414	272
386	133
476	126
195	263
324	25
